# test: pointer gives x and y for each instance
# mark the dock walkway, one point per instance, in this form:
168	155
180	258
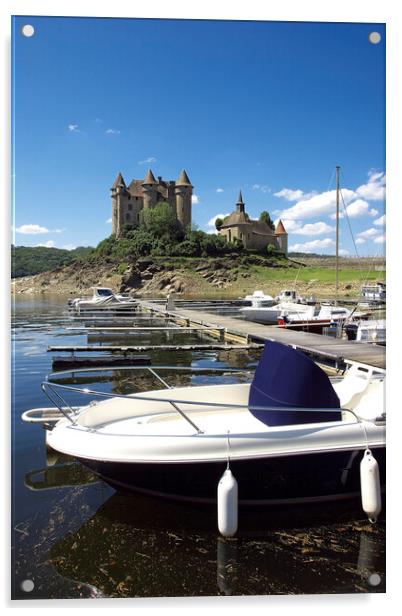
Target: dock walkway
324	348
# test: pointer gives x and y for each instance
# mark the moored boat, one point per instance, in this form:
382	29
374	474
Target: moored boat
291	435
102	299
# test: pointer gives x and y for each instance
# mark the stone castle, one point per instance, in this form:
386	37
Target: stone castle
255	234
129	201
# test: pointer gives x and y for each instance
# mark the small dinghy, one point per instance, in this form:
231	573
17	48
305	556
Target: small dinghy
291	435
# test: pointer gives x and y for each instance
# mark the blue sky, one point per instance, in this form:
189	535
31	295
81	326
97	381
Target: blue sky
267	107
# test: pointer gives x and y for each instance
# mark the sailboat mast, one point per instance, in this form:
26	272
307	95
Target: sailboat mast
337	235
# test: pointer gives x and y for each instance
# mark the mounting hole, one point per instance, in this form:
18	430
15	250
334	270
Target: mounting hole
27	585
374	38
374	579
28	30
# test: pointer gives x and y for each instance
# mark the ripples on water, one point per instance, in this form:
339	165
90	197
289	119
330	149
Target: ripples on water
74	536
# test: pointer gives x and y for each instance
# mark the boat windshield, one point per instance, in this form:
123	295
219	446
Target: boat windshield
104	292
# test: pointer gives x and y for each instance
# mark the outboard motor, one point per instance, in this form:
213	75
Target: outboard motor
287	378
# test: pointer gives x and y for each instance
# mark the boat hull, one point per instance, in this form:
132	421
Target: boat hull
280	480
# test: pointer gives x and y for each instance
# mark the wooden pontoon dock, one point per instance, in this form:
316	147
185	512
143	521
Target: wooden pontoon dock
323	348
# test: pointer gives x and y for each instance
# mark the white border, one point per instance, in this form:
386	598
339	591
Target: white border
379	11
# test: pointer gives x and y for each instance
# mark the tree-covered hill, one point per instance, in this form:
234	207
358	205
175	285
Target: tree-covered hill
27	260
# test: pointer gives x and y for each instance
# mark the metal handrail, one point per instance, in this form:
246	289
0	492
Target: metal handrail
172	401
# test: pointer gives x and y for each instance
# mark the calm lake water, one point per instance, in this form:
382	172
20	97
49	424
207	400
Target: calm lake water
74	536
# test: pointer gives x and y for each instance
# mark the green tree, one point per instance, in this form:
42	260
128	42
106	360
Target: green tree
160	221
218	223
265	217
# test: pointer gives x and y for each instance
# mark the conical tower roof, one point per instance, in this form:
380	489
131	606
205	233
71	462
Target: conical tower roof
183	179
149	178
240	203
119	181
240	199
280	229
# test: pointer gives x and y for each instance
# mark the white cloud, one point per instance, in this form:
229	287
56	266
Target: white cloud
289	194
73	128
368	234
293	195
211	223
150	159
317	205
380	221
261	187
112	131
219	190
380	239
374	190
358	208
313	246
31	229
109	221
69	247
48	244
295	226
290	225
195	199
343	252
360	240
313	204
316	228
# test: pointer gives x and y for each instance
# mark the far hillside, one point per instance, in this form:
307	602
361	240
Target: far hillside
28	260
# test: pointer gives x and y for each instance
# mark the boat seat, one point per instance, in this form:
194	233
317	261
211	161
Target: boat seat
352	387
373	405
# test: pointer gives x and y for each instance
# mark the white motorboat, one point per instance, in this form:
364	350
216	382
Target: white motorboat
316	318
261	298
102	299
259	313
374	292
291	435
371	330
289	295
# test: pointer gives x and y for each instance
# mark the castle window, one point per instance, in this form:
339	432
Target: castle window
128	217
130	207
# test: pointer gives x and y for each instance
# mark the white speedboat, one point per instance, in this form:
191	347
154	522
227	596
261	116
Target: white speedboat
291	435
259	313
102	299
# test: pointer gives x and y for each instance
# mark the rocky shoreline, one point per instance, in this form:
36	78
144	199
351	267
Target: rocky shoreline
148	276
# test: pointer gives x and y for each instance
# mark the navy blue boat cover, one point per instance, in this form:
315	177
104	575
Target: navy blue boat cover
287	378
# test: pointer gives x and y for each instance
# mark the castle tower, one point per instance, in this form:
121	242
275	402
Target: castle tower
119	191
240	203
183	191
150	193
281	237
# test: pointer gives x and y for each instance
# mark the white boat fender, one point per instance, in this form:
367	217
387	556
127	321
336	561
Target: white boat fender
370	486
227	504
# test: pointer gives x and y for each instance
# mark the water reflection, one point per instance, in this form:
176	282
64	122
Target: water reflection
75	537
138	546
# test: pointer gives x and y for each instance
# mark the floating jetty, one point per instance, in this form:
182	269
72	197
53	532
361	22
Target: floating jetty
71	361
325	349
230	334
